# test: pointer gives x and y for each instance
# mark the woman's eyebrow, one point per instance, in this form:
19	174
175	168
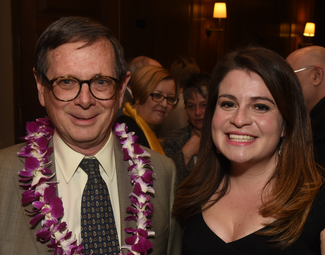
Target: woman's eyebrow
228	96
252	98
263	98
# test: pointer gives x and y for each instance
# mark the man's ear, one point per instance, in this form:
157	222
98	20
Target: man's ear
40	89
123	87
318	75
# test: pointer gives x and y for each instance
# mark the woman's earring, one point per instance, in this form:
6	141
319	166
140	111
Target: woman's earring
280	149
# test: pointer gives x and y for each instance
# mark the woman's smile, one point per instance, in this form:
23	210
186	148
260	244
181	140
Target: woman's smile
247	125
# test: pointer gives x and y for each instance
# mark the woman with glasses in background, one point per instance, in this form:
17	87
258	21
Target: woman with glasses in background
155	96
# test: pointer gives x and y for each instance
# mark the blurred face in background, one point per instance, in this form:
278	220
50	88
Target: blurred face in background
154	112
195	109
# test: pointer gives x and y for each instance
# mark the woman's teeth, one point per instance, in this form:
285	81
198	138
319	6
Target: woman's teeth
240	138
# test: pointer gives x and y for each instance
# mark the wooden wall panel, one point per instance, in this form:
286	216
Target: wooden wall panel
275	24
157	29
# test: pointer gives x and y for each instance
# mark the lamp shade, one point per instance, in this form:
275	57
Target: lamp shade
220	10
309	29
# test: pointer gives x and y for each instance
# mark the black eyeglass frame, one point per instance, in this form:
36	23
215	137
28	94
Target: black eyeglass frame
152	94
81	82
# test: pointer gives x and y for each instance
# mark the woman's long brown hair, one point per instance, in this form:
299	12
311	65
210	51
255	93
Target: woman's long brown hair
297	179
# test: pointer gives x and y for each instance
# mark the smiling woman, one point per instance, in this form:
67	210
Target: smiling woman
255	181
155	96
247	126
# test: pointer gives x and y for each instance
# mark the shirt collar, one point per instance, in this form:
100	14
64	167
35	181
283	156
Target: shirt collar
106	157
68	160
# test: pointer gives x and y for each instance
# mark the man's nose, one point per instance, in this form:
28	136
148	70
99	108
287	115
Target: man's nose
85	98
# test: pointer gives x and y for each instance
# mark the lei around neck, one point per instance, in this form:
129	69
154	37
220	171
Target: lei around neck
42	192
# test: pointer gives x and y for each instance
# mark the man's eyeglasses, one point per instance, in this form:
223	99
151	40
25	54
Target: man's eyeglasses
303	69
157	97
67	88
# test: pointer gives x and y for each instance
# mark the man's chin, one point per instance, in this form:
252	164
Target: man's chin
85	140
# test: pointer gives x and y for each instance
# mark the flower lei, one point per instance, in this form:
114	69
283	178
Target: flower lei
41	192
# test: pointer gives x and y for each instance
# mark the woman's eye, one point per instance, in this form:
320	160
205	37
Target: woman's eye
157	96
227	104
261	107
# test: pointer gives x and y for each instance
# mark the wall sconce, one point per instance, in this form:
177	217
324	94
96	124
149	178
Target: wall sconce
308	32
219	11
309	29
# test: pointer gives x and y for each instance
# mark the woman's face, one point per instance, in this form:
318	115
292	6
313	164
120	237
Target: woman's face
195	109
246	125
153	112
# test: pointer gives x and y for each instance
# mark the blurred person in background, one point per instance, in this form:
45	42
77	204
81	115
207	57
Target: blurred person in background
309	65
181	69
133	65
155	96
182	145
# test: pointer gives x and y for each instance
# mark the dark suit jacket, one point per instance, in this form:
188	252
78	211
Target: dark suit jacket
18	237
317	117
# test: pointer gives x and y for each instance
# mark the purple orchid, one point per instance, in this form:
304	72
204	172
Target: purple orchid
120	129
138	170
38	129
138	243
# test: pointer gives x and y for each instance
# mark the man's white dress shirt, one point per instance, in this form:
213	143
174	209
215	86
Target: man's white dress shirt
72	180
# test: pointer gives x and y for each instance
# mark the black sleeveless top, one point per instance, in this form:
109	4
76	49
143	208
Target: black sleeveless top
200	239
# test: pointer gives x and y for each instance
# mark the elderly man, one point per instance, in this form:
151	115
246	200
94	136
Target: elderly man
96	184
309	65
